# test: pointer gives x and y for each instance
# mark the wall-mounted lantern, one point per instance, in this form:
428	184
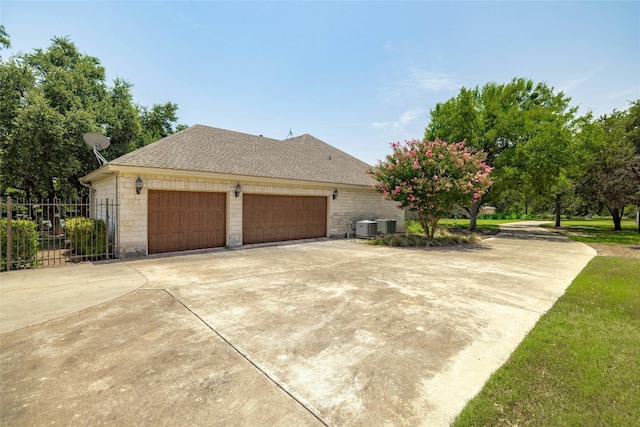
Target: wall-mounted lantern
139	184
238	190
335	194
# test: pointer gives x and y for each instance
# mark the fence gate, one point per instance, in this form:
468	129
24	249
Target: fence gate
54	232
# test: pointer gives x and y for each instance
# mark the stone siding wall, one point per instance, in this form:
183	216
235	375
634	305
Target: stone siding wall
350	206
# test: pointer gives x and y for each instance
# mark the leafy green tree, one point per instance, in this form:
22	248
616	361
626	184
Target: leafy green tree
121	121
499	118
632	125
610	173
430	177
17	79
48	99
158	121
5	41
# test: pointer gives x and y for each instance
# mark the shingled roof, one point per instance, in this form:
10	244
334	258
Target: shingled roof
207	149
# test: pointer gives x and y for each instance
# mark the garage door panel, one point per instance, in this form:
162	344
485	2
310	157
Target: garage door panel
182	220
267	218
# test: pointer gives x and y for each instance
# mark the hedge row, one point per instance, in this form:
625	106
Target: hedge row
87	236
24	243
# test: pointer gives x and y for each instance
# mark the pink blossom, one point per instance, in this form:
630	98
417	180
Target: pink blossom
476	196
429	153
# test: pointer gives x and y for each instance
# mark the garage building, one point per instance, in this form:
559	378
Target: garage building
205	187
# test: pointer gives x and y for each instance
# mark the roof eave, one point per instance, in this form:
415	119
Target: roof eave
96	175
110	169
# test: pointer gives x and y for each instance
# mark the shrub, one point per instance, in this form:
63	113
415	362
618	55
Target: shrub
431	177
24	243
87	236
441	238
413	226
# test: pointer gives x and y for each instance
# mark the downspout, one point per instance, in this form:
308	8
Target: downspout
117	227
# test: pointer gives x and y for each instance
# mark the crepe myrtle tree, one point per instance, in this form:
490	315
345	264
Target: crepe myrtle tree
430	177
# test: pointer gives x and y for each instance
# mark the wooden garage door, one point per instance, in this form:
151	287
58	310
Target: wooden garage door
184	220
278	218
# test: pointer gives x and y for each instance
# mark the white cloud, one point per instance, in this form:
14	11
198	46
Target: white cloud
433	82
380	125
410	115
628	94
415	82
580	80
403	120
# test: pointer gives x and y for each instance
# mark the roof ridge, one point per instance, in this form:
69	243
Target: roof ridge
236	132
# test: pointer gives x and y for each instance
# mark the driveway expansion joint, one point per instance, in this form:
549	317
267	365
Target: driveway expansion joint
246	357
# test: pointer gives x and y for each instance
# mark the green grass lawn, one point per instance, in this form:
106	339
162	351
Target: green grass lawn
580	365
599	231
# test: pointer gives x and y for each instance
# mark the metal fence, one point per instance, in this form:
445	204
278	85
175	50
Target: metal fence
54	232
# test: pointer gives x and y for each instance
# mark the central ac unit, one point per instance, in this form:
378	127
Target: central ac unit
386	226
366	228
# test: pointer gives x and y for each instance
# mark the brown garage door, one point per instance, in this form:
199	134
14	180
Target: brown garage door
278	218
184	220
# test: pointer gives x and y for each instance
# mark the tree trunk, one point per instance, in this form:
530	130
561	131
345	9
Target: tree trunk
617	218
434	226
558	211
473	214
616	215
424	222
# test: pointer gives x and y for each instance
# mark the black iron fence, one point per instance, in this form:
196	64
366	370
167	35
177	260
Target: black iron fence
53	232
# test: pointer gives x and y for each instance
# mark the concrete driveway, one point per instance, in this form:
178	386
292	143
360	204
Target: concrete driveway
323	333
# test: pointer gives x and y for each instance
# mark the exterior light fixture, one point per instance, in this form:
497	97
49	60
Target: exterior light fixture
139	184
238	189
335	194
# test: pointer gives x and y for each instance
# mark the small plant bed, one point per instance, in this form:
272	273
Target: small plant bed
442	237
481	232
579	365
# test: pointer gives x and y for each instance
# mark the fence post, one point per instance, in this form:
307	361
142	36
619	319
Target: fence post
106	240
1	239
9	245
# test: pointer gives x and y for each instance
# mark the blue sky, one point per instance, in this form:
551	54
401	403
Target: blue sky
357	75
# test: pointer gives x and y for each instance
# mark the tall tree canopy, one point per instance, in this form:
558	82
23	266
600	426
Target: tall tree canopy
524	129
48	99
609	153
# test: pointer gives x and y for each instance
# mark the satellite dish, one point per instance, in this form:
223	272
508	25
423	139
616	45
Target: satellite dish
101	142
97	142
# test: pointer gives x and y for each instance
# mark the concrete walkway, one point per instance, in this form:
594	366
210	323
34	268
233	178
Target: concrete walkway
28	297
324	333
